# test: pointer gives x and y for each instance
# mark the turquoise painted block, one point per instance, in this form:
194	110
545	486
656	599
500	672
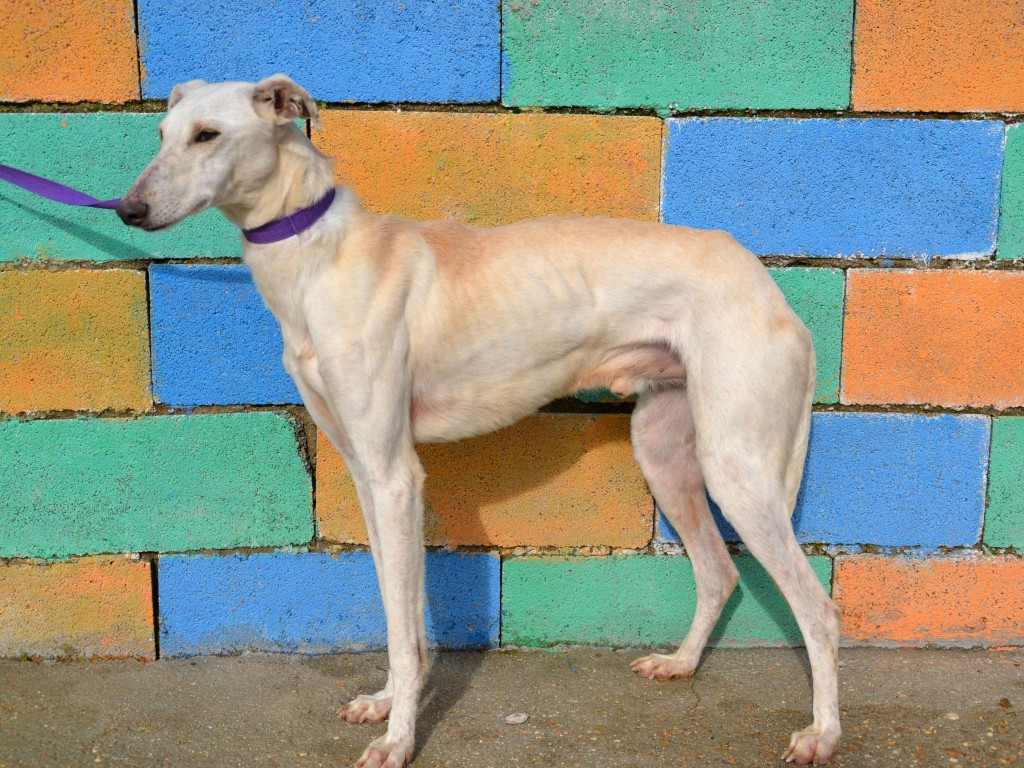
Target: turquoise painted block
816	295
1004	514
677	54
1011	198
156	484
637	600
101	154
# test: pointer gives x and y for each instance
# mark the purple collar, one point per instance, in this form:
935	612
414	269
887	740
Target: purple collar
292	224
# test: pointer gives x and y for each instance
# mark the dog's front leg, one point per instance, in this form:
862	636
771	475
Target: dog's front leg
370	404
397	517
367	707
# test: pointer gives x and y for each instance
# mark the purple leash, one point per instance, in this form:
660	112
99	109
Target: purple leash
51	190
271	232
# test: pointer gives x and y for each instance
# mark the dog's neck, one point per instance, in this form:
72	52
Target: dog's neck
301	177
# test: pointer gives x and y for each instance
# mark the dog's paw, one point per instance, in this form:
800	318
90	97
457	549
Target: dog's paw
811	745
367	709
659	667
386	754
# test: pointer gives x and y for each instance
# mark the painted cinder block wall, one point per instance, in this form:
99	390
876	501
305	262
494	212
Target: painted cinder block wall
164	493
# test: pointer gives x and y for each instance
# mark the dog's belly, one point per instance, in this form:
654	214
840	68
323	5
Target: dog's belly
473	406
445	414
634	369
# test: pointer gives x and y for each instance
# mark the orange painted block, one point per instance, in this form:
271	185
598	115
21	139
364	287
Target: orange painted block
938	56
93	607
550	480
74	50
73	339
485	168
951	601
944	337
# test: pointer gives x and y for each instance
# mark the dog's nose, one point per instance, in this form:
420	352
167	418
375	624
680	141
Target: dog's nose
132	212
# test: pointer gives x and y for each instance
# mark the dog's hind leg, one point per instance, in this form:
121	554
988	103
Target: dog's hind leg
762	519
752	430
664	446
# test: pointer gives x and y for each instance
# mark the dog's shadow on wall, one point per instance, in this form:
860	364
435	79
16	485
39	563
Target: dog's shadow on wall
548	481
109	246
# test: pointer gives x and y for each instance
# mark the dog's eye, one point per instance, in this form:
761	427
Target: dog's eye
206	136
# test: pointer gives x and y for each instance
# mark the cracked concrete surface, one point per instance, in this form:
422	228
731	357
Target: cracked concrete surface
906	707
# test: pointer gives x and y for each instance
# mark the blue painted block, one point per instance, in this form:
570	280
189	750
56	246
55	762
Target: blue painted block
892	480
358	50
315	603
214	341
877	187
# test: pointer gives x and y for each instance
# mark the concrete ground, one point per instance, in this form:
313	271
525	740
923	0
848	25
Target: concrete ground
907	707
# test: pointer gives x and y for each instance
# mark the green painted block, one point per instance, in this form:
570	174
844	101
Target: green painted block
816	295
155	484
1011	197
1004	515
677	54
101	154
637	600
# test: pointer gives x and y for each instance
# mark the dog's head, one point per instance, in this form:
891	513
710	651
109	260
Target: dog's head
218	146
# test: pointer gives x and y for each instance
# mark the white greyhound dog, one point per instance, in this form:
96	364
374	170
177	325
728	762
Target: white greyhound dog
398	332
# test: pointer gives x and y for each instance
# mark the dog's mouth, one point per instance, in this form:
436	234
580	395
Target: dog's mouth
150	226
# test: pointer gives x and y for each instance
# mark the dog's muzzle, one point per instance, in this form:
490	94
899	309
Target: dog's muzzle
132	212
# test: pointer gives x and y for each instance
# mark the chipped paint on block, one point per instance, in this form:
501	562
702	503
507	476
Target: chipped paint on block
677	54
315	603
949	338
74	340
893	480
822	187
74	50
163	483
1004	517
549	480
938	56
490	169
361	50
949	601
100	154
94	607
214	340
637	600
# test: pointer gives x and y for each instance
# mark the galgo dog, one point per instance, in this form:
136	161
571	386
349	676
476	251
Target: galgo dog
398	331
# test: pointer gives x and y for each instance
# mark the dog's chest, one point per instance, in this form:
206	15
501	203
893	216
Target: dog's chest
282	285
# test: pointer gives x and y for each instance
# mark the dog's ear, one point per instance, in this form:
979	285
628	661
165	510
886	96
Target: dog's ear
280	100
180	90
